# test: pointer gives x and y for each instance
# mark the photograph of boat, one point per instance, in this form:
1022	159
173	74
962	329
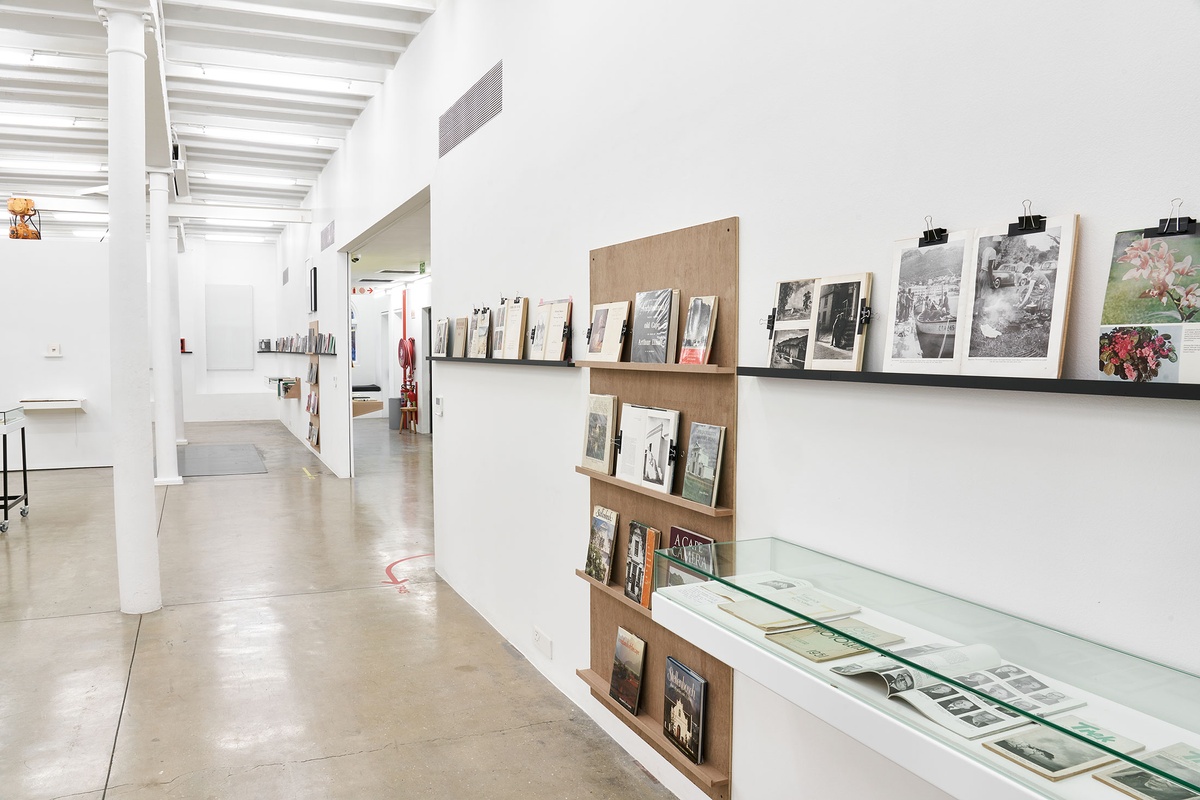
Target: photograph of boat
926	306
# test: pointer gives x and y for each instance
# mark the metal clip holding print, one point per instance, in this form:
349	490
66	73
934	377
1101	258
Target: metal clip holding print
864	314
1174	224
1028	222
932	235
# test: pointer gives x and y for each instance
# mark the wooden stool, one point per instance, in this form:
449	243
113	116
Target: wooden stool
408	415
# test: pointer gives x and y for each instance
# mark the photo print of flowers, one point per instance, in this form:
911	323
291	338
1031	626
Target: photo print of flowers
1151	316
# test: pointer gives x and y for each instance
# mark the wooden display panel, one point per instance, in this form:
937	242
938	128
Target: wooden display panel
315	388
699	261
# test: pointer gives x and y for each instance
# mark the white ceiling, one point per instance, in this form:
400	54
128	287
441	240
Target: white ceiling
402	246
261	93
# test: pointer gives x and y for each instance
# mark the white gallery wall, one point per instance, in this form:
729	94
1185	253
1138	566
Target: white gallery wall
55	291
830	130
227	394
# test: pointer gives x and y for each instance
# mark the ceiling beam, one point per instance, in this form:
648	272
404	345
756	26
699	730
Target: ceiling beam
373	23
52	26
38	44
185	53
37	75
99	205
419	6
256	42
265	111
202	88
221	121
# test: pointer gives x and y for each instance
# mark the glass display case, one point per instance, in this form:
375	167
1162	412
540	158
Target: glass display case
954	686
14	417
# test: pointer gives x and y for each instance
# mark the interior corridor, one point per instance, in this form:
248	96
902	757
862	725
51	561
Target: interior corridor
282	665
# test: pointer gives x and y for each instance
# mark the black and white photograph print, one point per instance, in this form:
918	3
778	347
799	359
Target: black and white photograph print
794	300
1179	760
939	690
997	691
789	349
1047	748
974	679
926	305
837	321
1048	698
982	719
958	705
1026	684
898	680
1006	671
596	339
655	453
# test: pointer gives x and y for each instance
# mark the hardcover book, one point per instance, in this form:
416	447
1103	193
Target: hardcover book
698	330
459	341
655	318
658	463
792	308
626	684
683	710
633	430
599	434
481	327
1019	299
541	323
812	603
558	331
838	332
441	338
695	549
822	644
498	317
930	317
600	543
639	563
702	472
606	339
514	327
1055	755
1180	760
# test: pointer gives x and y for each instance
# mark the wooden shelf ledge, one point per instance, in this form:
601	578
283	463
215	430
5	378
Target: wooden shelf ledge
650	730
694	369
614	592
673	499
520	362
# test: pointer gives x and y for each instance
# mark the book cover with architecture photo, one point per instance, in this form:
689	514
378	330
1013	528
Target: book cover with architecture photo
628	658
703	468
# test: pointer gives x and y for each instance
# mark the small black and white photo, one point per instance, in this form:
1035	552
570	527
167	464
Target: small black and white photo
836	321
982	719
1026	684
997	691
1006	671
925	305
1013	308
939	690
974	679
599	321
958	705
794	300
655	453
777	584
1048	698
1054	752
898	680
1024	705
789	348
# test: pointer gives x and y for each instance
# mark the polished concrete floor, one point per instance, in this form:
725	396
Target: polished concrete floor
282	665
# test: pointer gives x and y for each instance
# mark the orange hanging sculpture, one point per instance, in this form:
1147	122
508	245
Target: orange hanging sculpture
24	219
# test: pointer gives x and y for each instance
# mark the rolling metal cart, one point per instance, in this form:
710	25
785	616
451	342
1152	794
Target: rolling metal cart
11	421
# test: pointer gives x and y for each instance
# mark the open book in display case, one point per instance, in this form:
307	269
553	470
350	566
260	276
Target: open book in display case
979	703
700	261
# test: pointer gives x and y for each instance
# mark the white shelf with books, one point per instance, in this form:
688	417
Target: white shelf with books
979	703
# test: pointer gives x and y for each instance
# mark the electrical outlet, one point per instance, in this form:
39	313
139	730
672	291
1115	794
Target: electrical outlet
438	408
53	350
543	642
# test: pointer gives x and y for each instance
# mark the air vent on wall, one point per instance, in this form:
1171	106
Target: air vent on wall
482	102
373	280
396	271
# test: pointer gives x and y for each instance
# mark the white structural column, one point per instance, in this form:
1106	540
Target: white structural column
166	458
133	449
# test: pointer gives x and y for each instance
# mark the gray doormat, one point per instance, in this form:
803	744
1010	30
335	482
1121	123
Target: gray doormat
219	459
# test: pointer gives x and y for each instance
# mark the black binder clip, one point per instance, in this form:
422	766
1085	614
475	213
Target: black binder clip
932	235
864	315
624	329
1174	224
770	324
1027	222
588	335
617	441
532	335
672	453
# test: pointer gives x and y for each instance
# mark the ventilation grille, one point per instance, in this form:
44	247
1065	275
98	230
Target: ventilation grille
374	280
470	112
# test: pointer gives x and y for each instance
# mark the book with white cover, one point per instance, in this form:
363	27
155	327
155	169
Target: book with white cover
598	433
541	322
633	429
1055	755
930	313
812	603
1020	296
498	316
606	336
655	318
514	327
481	326
557	331
658	464
1180	760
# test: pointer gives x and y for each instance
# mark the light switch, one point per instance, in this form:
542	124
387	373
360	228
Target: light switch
438	408
53	350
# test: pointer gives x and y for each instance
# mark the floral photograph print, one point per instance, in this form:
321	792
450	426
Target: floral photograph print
1150	323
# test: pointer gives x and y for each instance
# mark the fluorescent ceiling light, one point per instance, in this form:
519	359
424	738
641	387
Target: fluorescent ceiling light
230	177
265	137
19	57
233	237
76	216
29	165
94	233
240	223
282	80
48	121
